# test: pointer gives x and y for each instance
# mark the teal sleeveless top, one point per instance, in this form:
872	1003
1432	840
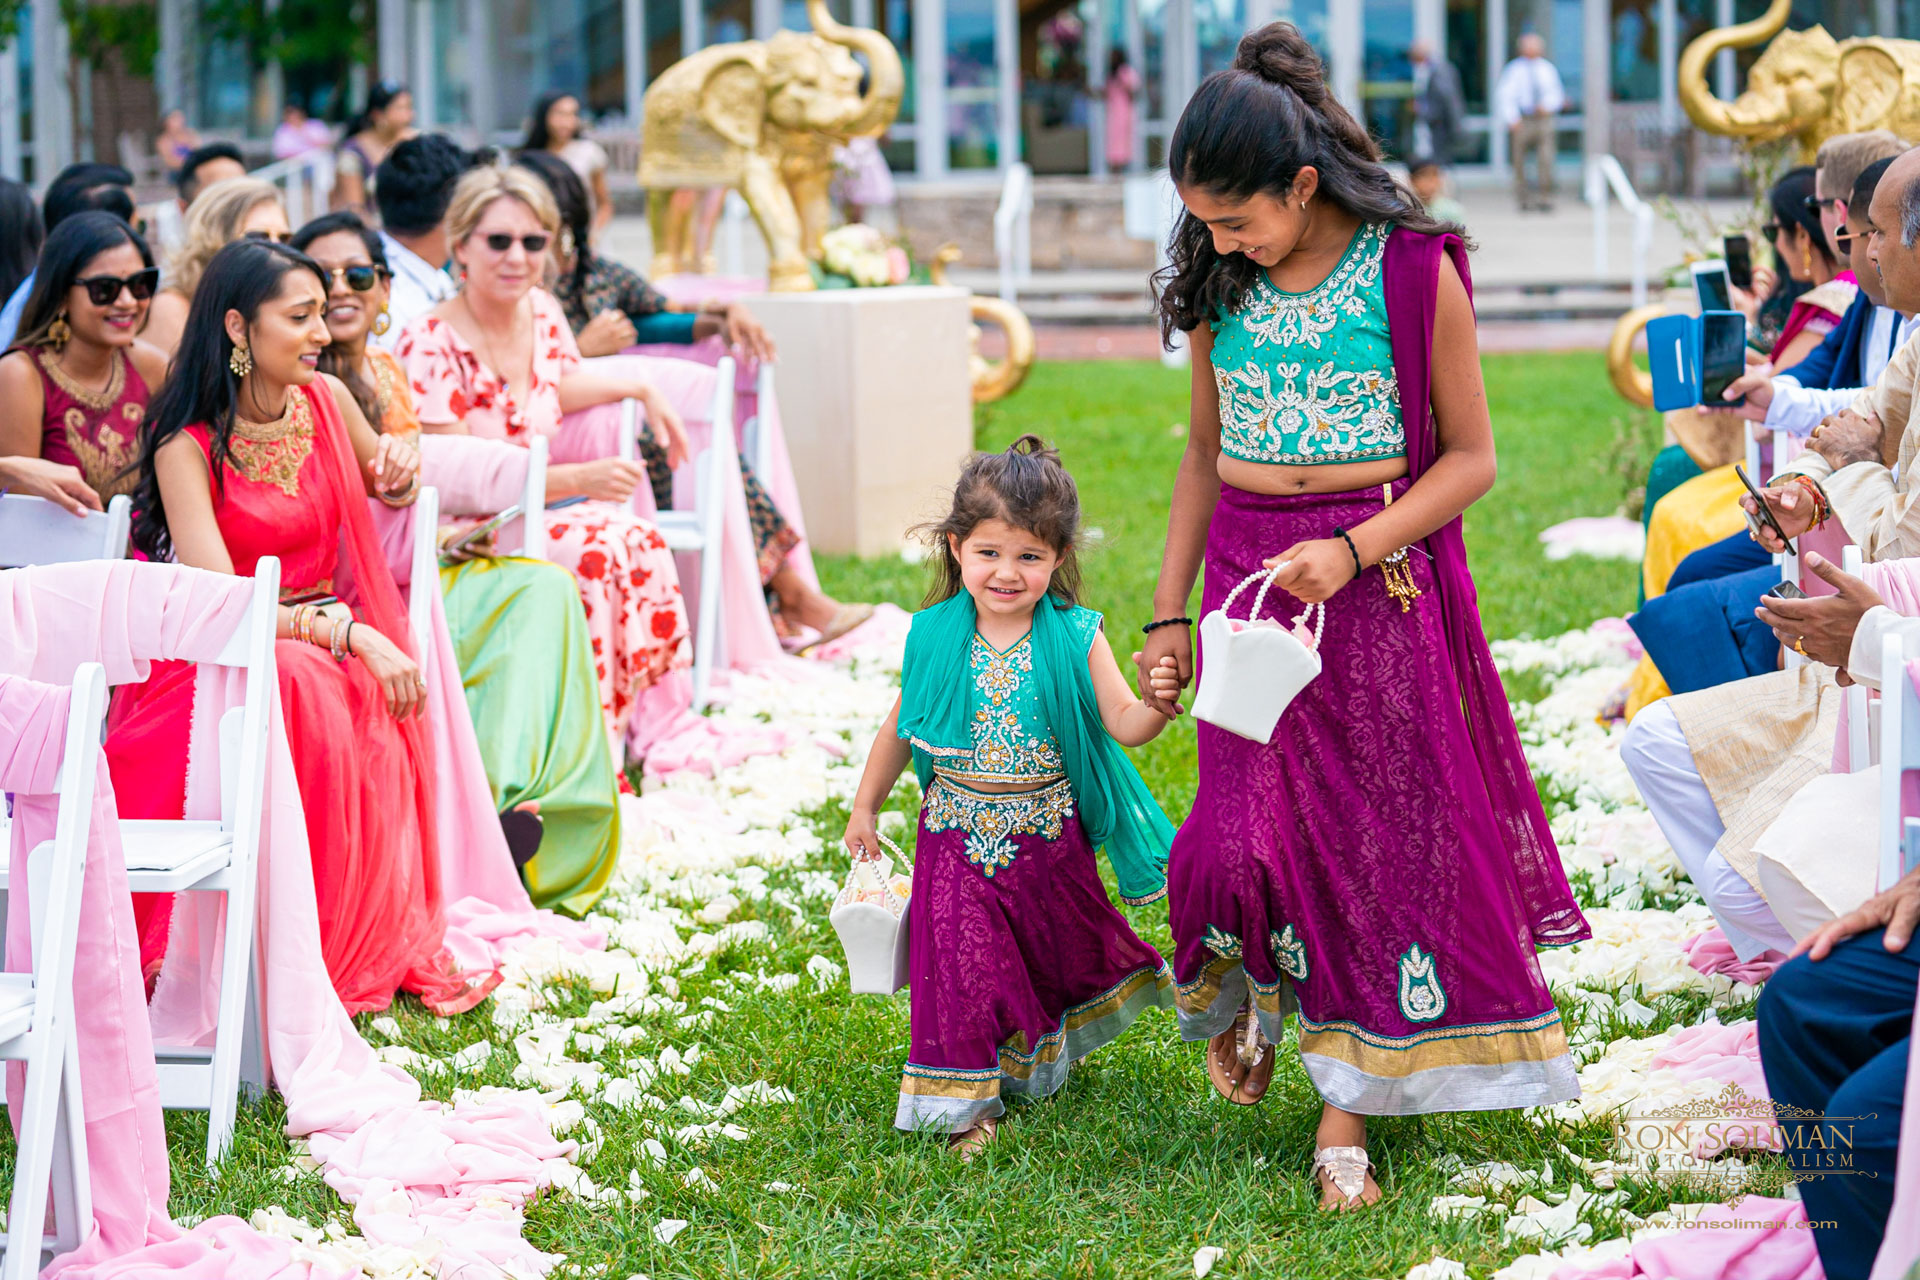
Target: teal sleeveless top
1307	378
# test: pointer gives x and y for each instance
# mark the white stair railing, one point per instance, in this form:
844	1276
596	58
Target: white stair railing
1013	231
305	182
1605	175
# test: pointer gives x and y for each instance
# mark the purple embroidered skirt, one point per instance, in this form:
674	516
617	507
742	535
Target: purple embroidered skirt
1354	870
1019	962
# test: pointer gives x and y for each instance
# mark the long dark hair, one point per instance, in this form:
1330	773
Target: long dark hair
1788	200
21	232
538	138
333	360
570	197
202	388
77	241
379	97
1249	130
1024	485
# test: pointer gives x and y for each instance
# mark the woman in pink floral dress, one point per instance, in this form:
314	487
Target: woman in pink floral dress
499	361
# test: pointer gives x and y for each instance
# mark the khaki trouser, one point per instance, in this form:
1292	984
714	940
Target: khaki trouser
1533	134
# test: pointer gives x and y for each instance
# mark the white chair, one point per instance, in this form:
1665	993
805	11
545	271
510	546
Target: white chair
1788	561
36	1011
533	501
698	532
757	445
36	531
424	577
1899	754
1861	741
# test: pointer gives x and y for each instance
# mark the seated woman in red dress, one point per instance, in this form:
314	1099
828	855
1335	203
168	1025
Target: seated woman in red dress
249	452
76	383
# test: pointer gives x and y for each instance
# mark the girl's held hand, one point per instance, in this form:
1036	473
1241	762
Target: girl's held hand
863	837
1165	682
1311	572
1166	649
398	674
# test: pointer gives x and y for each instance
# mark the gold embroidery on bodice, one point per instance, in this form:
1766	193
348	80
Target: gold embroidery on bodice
273	452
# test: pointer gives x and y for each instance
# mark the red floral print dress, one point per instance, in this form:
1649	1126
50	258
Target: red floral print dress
636	615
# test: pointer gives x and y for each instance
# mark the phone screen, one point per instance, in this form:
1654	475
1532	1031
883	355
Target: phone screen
1723	354
1739	261
1711	288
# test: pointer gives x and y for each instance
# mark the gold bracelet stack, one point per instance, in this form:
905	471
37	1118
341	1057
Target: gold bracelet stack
338	640
1395	569
302	626
404	498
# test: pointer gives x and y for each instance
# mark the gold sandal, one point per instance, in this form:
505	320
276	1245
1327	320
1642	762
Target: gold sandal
1346	1168
1254	1053
845	619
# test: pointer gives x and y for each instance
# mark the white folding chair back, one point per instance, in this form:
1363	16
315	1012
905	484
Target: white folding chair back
1899	755
36	1011
1788	561
1862	743
423	580
756	443
222	857
36	531
533	502
699	532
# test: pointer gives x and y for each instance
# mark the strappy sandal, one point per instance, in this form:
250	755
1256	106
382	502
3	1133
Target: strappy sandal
1244	1045
971	1143
1346	1168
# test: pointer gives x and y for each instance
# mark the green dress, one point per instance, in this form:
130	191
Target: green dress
541	740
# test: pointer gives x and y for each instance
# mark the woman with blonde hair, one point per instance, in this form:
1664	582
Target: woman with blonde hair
219	215
498	361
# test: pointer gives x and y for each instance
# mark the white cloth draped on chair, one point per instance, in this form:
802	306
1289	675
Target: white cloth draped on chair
456	1175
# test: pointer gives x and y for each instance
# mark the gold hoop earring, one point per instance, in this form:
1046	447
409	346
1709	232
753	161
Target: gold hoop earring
1806	262
59	333
382	323
240	362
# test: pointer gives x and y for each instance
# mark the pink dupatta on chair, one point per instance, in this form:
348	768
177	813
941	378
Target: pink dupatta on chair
415	1169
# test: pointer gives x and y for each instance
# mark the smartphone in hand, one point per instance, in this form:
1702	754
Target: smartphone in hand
1739	260
1766	512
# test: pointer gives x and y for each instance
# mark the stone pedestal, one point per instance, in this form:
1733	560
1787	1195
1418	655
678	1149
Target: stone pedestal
877	404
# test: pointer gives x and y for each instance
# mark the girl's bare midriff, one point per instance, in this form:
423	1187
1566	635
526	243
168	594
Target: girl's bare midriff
1338	477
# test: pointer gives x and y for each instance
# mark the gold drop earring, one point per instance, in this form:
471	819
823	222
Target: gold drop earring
59	333
382	323
240	362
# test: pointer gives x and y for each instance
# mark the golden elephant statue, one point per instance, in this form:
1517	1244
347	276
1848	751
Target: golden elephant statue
763	117
1806	86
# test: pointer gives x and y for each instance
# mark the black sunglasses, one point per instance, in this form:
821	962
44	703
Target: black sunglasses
102	291
359	278
500	242
1771	231
1814	204
279	237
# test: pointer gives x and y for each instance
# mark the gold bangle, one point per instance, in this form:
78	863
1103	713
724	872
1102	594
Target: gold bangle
402	499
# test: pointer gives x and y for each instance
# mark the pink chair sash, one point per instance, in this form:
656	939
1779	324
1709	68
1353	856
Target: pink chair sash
367	1124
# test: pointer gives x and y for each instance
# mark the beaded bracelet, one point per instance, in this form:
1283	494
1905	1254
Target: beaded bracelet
1358	569
1822	505
1152	627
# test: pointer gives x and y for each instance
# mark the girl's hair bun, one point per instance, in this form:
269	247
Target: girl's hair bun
1279	54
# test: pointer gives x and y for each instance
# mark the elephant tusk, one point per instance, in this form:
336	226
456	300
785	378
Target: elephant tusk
1696	94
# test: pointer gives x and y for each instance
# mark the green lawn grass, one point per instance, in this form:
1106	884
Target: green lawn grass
1137	1163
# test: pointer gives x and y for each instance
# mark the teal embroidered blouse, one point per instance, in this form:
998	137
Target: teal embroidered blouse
1307	378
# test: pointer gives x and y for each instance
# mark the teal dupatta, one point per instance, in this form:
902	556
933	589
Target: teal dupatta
1116	809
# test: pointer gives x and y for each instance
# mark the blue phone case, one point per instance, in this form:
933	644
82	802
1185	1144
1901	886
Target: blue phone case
1673	358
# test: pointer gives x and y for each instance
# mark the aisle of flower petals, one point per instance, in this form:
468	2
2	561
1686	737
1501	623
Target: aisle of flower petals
607	1043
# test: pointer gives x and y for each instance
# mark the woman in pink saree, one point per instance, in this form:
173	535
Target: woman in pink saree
247	453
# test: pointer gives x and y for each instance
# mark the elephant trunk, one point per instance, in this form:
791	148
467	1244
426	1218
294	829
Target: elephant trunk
1696	95
887	79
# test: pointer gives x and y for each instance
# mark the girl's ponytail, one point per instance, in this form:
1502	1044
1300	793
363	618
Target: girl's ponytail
1281	56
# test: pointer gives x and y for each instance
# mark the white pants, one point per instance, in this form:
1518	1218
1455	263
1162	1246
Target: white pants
1655	752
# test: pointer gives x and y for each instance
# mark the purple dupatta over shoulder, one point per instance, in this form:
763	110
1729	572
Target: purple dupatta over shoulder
1410	274
1382	867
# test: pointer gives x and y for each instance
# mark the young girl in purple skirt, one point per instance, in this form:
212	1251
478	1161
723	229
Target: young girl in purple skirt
1012	710
1382	866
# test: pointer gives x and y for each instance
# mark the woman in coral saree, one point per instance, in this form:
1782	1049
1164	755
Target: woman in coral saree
248	453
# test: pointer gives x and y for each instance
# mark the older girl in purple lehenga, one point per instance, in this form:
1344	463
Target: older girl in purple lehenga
1382	866
1012	703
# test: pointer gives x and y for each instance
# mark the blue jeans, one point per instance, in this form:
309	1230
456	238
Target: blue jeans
1835	1038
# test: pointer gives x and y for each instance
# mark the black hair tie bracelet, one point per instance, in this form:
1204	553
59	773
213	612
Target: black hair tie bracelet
1152	627
1357	568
